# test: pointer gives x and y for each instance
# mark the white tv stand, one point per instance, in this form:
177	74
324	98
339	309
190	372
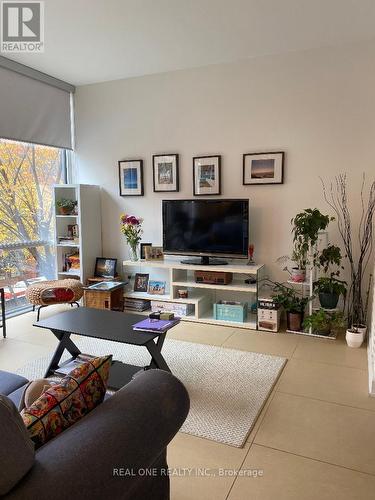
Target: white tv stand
201	295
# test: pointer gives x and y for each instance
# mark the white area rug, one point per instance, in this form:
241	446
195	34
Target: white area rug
227	388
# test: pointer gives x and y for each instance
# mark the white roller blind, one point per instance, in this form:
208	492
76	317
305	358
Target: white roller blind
34	111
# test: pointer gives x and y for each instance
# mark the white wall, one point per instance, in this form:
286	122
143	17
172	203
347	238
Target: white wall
317	106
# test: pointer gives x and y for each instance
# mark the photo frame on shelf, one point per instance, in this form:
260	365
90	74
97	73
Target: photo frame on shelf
105	268
206	175
156	287
141	282
131	177
143	247
165	173
263	168
154	253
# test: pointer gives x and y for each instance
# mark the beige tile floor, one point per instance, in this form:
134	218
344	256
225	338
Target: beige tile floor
315	438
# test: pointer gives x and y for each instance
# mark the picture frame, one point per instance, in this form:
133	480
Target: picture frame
143	249
156	287
105	268
141	282
154	253
165	173
207	175
263	168
131	177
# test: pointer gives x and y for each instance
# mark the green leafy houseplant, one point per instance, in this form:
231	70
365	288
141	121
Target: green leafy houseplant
319	321
66	206
306	227
325	322
293	303
330	287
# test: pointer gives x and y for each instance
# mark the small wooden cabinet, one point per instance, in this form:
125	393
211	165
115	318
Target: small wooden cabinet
105	299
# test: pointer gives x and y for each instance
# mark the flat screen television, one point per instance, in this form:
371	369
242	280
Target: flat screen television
206	228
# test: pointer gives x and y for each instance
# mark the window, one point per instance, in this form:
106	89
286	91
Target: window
27	175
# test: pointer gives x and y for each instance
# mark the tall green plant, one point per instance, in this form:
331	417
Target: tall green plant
306	227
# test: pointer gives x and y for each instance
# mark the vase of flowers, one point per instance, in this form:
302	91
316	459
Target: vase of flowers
131	228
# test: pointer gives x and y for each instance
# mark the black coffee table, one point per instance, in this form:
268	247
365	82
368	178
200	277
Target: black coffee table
105	325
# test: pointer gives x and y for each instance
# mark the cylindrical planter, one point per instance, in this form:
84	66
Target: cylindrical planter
294	321
298	275
355	338
328	300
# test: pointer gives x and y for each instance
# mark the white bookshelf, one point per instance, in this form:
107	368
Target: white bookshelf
201	295
88	219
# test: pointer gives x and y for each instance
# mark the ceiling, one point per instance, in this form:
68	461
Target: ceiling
89	41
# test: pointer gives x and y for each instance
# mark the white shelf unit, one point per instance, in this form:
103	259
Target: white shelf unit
88	219
201	295
307	289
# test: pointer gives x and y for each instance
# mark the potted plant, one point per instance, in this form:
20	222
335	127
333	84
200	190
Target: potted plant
65	206
320	322
306	227
329	287
293	303
131	228
357	301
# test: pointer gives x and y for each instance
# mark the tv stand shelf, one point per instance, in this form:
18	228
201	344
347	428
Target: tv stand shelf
201	295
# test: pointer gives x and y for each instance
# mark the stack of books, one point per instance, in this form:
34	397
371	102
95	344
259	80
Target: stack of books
138	305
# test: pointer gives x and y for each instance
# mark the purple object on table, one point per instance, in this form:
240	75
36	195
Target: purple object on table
155	325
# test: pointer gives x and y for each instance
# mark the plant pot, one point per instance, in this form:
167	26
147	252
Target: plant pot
328	300
362	329
64	211
298	275
355	339
323	331
294	321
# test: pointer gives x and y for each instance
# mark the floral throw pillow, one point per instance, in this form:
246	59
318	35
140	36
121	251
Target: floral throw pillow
67	402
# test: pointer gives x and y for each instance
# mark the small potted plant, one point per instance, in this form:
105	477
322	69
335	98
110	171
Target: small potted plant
293	303
65	206
306	227
320	322
329	287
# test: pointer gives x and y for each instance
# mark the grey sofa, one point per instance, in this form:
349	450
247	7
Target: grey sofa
117	451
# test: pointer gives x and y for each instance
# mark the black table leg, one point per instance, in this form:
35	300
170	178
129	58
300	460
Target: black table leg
157	360
64	343
3	324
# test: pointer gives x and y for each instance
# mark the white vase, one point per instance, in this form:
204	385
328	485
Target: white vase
355	339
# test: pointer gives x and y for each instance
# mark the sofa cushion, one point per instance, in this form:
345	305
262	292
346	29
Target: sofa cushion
67	402
9	382
16	450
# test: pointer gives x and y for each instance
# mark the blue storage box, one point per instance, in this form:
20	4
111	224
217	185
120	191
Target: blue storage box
231	311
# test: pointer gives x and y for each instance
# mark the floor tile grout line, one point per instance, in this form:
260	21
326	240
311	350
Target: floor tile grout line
325	401
315	459
330	364
268	403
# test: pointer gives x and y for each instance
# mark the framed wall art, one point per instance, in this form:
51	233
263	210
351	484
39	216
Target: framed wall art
165	170
263	168
131	177
206	175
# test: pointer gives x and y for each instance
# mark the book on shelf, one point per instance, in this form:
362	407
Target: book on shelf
138	305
